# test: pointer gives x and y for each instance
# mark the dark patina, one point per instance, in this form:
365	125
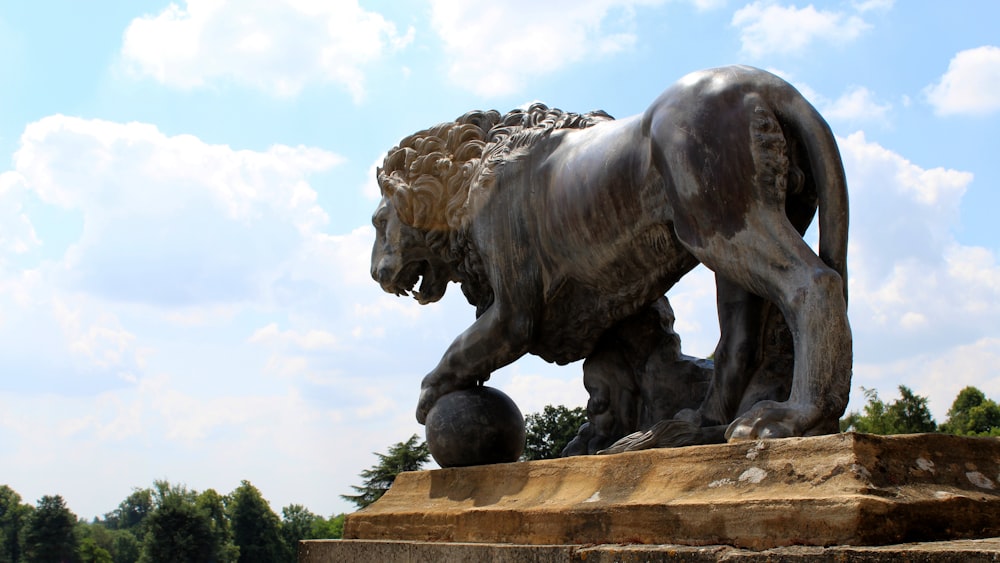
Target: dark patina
566	230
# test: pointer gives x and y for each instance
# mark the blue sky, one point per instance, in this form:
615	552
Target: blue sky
186	190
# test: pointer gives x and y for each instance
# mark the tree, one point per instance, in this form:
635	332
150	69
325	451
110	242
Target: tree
972	414
907	415
126	548
910	414
49	534
335	526
549	431
256	528
126	525
177	529
90	552
213	505
13	516
296	524
131	512
328	528
410	455
95	537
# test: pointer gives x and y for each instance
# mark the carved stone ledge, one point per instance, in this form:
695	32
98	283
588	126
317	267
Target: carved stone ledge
843	489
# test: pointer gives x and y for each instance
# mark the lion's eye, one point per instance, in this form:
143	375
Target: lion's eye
381	217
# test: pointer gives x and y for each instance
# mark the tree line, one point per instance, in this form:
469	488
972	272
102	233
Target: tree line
163	523
971	414
169	523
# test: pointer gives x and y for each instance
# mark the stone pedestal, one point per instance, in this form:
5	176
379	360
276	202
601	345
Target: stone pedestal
839	490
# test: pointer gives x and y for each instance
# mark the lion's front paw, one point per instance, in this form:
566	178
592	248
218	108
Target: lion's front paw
427	399
770	419
434	387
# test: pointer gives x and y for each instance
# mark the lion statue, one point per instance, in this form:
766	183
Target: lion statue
559	226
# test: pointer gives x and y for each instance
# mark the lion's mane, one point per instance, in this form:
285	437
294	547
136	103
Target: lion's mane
432	175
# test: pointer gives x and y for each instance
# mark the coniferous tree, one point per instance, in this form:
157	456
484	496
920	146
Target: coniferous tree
256	528
907	415
410	455
910	413
49	536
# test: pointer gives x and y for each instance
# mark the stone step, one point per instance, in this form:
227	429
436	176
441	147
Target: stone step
842	489
376	551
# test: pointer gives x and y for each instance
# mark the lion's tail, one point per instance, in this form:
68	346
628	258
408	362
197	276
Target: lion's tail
827	172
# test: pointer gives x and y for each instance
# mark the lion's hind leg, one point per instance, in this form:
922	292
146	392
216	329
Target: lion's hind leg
736	355
726	171
770	259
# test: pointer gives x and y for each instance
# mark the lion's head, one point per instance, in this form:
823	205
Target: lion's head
428	183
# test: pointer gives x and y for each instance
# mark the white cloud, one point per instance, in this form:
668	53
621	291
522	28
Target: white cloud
518	47
767	28
314	339
970	86
704	5
873	5
17	234
857	104
693	302
203	322
939	375
162	429
913	286
171	220
534	387
278	46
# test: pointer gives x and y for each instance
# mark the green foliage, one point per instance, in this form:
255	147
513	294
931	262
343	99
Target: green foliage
972	414
328	529
90	552
93	536
125	548
214	505
910	413
296	524
131	512
13	516
177	529
163	523
336	526
256	528
410	455
49	533
549	431
907	415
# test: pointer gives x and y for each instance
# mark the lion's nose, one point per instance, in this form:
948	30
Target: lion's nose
383	269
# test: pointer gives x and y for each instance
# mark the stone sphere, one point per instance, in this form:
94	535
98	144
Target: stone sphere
475	426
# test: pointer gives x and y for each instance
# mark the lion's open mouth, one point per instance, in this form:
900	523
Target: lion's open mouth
432	286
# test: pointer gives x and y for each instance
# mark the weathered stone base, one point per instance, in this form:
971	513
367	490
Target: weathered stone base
844	489
376	551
